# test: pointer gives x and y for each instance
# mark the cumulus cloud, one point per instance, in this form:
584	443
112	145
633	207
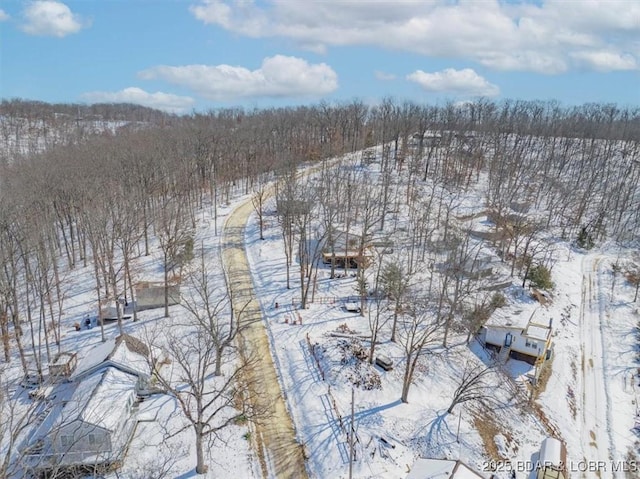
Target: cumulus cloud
278	76
3	16
159	100
51	18
465	82
541	36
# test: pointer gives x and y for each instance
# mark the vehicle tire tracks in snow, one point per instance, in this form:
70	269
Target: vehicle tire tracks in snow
279	452
596	436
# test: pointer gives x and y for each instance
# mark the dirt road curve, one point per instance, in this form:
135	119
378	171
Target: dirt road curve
279	453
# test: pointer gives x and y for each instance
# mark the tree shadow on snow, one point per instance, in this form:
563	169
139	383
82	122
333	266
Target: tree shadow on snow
438	432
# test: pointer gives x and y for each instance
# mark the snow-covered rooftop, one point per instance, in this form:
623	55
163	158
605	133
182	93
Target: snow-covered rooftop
112	392
119	350
538	331
516	317
551	452
96	397
94	357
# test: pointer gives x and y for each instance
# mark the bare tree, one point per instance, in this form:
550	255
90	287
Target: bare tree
419	329
474	385
173	235
209	308
368	211
286	209
460	279
377	317
258	200
210	403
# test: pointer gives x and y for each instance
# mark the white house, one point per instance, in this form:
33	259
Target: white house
529	341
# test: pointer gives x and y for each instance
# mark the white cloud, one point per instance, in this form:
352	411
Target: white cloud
51	18
3	16
384	76
607	60
530	35
278	76
465	82
162	101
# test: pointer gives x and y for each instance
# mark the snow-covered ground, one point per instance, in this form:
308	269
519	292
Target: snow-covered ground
592	392
163	445
589	400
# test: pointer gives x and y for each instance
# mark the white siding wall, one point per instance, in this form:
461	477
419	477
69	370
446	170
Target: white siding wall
531	347
75	437
497	335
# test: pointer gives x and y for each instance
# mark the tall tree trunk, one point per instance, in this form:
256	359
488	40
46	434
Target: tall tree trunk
4	331
201	467
218	367
166	286
131	291
97	273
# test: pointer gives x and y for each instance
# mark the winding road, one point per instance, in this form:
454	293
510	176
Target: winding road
274	436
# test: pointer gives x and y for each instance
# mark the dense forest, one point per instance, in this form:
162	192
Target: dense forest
88	185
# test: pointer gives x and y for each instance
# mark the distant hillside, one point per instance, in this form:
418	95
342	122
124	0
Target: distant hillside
32	126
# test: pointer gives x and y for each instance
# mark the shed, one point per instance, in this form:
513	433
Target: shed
150	295
63	364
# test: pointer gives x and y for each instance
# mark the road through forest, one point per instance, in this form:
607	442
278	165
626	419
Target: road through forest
279	453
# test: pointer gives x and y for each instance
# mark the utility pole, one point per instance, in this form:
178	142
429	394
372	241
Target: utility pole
351	451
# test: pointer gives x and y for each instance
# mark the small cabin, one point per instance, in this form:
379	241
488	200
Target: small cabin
344	251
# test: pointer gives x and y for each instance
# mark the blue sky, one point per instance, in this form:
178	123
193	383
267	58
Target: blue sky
184	55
